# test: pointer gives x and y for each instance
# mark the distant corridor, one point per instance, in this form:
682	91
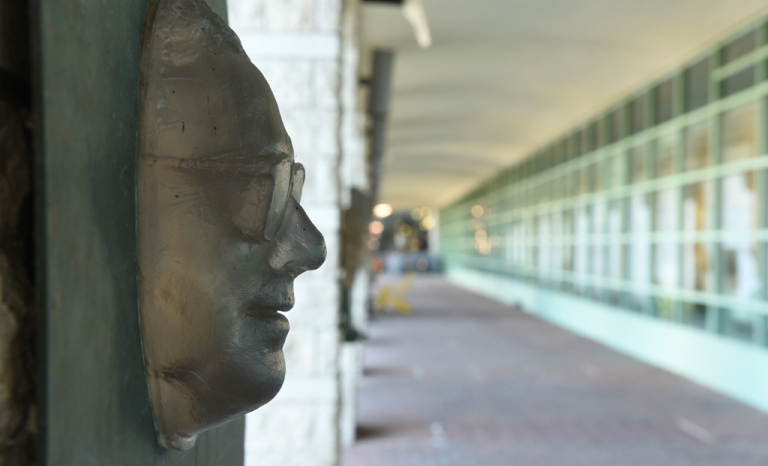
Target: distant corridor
467	381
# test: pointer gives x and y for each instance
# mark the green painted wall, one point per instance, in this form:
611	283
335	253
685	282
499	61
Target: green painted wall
96	407
731	367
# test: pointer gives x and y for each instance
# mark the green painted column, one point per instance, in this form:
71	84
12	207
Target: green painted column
95	404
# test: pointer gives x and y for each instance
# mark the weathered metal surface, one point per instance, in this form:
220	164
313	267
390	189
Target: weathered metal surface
221	234
97	409
16	347
17	406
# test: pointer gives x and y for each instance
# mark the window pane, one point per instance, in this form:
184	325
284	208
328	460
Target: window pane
696	276
667	202
738	324
557	188
557	237
603	128
667	250
580	181
697	153
544	242
637	164
697	85
615	230
739	211
665	100
739	47
567	244
544	193
574	146
563	151
583	141
740	205
586	179
514	234
575	183
599	226
548	158
638	251
592	137
697	201
617	123
697	273
665	273
666	210
597	176
737	82
638	113
606	175
765	69
639	227
619	173
639	248
739	133
665	156
529	244
741	277
581	259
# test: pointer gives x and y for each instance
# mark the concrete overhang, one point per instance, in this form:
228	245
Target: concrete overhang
504	77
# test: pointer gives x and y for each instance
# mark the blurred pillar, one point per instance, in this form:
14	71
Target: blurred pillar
356	203
433	235
378	109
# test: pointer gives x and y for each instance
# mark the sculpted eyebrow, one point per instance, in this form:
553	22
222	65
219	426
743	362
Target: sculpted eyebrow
259	163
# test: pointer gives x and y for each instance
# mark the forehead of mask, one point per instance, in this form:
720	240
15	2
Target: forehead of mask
202	96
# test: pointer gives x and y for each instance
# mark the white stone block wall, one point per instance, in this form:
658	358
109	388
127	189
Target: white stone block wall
305	51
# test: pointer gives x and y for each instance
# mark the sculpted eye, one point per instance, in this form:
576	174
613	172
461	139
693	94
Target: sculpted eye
281	174
258	204
250	204
255	189
298	181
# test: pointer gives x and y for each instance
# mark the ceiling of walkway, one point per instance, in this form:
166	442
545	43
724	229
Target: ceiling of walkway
504	77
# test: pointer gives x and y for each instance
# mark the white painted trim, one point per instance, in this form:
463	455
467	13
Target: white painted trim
728	366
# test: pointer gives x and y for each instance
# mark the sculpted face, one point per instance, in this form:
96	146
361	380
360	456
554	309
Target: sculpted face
221	233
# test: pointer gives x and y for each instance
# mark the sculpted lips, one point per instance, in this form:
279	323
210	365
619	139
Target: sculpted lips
270	328
275	296
268	305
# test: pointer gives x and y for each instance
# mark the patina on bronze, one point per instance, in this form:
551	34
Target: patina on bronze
221	234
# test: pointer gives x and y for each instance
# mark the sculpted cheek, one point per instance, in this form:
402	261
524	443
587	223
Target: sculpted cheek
170	294
186	312
216	178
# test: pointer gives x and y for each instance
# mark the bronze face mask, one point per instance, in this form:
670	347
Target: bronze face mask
221	234
257	188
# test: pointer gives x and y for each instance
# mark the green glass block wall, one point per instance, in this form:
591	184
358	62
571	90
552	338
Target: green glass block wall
657	205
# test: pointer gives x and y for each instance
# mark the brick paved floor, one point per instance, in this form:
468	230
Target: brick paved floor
467	381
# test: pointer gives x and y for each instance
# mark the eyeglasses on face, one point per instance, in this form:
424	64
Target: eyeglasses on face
255	188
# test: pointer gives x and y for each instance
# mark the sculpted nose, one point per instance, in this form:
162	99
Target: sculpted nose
299	246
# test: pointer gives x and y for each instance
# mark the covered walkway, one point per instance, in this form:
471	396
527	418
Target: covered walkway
468	381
